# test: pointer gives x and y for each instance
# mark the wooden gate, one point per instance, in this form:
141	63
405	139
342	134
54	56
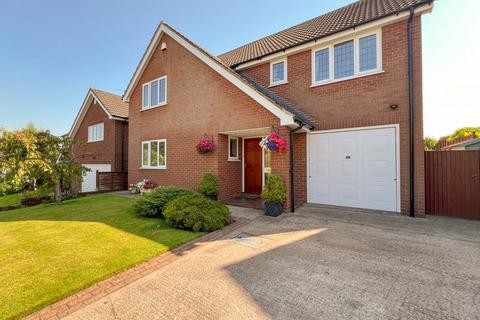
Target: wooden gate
452	183
112	181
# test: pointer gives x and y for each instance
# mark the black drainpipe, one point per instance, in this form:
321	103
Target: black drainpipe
411	114
292	171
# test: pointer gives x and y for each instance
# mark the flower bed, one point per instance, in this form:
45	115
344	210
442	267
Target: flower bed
146	185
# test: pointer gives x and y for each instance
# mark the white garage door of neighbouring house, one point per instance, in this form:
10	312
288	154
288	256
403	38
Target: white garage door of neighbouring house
354	168
89	183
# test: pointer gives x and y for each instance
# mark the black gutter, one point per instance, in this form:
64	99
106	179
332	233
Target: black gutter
292	170
411	113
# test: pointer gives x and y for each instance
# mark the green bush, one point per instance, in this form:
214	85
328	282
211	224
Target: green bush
151	204
209	185
39	192
197	213
37	196
274	190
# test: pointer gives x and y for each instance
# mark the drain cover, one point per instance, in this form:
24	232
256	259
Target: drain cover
249	240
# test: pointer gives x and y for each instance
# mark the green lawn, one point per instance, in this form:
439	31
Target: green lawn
10	200
48	252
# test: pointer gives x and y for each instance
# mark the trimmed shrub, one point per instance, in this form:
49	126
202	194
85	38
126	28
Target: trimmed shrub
151	204
208	186
197	213
274	190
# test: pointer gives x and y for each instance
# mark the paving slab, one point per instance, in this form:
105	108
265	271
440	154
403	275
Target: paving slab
319	263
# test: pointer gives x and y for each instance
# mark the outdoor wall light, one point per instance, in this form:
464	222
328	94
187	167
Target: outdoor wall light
394	106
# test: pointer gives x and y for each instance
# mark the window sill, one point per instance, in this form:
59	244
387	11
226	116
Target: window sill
233	159
95	141
154	107
277	84
153	168
346	79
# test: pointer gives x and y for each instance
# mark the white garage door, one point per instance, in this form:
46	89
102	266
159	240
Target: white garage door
354	169
89	183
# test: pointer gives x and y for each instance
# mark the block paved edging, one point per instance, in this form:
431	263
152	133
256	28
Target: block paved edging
70	304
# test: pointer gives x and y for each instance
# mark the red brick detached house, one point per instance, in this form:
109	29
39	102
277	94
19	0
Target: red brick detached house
345	89
101	127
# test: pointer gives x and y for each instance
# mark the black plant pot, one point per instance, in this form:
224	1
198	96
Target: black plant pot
273	209
213	197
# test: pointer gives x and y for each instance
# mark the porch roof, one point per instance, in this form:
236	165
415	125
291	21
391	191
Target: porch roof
248	133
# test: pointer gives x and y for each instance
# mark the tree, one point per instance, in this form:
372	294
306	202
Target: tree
31	157
464	132
430	143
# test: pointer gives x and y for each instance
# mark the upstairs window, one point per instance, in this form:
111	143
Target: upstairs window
232	148
95	132
154	93
278	72
347	59
343	62
154	154
368	53
322	65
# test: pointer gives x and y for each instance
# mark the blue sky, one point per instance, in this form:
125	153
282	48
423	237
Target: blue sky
52	51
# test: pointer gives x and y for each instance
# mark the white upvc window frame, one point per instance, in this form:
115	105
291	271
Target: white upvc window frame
230	158
149	86
285	72
159	166
356	58
93	137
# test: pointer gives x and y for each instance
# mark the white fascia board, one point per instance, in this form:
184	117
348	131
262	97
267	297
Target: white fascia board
83	111
426	8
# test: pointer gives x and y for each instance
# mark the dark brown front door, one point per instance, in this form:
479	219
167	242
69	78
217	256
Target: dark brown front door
253	166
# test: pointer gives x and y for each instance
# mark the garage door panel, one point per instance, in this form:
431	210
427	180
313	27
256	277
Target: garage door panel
349	169
348	192
355	168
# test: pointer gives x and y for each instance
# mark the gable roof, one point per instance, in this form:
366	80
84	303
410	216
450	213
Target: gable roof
112	104
287	116
350	16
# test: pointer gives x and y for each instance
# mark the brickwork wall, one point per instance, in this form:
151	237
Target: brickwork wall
363	101
108	151
200	102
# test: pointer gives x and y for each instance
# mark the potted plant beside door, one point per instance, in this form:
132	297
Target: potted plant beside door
209	186
274	194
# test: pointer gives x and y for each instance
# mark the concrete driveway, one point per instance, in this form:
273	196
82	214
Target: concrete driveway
315	264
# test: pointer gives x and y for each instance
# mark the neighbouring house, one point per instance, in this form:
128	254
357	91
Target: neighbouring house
101	128
344	88
471	142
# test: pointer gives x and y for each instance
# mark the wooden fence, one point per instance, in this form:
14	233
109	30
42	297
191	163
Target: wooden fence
112	181
452	183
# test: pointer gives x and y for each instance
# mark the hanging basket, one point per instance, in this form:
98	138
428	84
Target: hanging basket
205	145
274	142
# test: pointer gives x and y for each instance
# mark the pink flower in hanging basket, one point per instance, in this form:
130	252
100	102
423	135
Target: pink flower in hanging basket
274	142
205	145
